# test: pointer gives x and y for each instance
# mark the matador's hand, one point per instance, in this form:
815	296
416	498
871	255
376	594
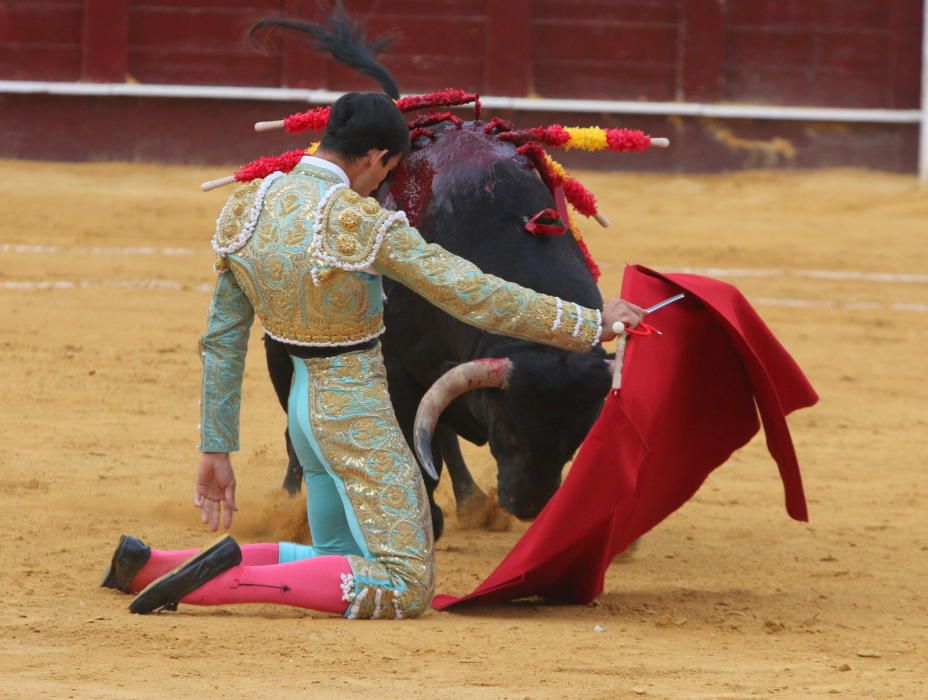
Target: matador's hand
215	488
620	310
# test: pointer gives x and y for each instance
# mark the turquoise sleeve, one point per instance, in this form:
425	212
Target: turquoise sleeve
490	303
222	350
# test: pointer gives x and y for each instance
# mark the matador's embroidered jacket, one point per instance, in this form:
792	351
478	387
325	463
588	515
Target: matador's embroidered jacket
306	254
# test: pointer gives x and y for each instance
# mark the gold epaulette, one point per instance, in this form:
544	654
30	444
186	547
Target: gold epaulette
238	218
232	218
353	229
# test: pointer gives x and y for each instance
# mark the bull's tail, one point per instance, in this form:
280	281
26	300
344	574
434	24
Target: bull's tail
342	37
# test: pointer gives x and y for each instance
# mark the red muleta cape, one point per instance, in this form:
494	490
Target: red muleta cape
689	398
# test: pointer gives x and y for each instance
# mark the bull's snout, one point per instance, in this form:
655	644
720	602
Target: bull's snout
519	507
525	499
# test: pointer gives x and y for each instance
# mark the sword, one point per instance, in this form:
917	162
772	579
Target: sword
661	304
618	328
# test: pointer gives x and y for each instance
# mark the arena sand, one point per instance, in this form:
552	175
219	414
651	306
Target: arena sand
726	599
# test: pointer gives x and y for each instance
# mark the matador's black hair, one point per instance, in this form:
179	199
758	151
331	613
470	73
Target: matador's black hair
341	36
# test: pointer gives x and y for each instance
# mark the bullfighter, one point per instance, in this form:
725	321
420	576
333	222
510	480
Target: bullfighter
305	252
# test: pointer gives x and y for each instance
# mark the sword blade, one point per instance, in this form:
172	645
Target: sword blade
661	304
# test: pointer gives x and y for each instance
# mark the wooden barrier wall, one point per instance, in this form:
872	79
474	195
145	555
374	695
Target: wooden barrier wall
860	53
835	53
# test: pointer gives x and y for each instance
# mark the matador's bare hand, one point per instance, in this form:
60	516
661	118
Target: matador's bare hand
620	310
215	489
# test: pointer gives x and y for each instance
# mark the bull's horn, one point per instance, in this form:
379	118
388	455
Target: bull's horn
489	373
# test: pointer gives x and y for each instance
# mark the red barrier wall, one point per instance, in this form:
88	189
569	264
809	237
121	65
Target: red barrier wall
845	53
862	53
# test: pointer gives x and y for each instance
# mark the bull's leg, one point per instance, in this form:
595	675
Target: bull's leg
293	480
280	368
472	503
475	509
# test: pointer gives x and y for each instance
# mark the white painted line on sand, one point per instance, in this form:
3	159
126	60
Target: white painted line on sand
170	285
94	250
838	305
839	275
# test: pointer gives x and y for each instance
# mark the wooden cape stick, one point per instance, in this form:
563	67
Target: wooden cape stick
619	329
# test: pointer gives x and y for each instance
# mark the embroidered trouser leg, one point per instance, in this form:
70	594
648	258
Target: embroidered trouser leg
324	507
367	483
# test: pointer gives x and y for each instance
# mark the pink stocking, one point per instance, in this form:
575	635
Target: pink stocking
309	583
162	561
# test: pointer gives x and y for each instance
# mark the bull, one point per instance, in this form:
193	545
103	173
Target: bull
472	194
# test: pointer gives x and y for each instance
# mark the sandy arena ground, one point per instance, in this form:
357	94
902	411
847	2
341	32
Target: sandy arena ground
103	277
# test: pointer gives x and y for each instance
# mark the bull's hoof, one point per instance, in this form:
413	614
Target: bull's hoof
498	520
293	483
438	521
479	511
473	512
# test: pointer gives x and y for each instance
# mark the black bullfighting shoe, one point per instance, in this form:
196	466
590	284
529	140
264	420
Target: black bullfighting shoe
128	559
165	592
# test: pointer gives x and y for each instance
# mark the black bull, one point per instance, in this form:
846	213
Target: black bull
472	194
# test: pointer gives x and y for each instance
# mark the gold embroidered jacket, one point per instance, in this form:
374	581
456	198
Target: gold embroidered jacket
305	254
